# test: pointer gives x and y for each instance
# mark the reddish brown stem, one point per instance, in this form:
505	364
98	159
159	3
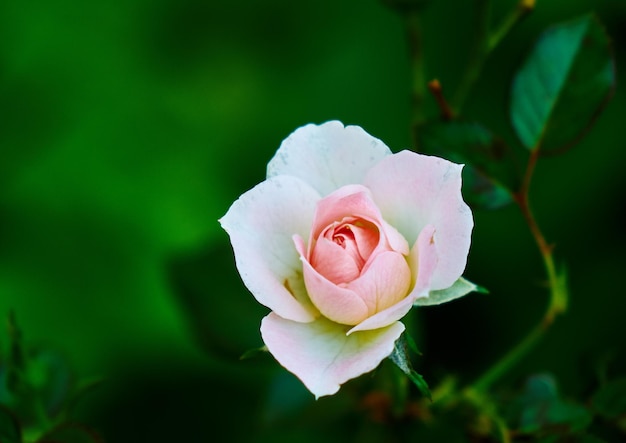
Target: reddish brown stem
434	86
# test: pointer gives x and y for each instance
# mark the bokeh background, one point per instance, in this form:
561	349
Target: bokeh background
128	128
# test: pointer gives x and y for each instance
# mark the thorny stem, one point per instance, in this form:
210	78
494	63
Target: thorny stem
556	282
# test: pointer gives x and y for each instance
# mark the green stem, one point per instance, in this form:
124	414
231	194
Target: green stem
486	42
509	360
486	406
513	17
558	289
480	52
505	436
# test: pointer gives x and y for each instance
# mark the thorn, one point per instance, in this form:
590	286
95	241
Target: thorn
434	86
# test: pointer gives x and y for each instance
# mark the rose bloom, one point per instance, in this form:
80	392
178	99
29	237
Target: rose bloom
340	241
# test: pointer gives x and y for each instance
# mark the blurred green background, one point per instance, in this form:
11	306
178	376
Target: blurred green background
128	128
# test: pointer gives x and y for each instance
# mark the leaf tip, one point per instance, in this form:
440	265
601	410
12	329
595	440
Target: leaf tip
481	289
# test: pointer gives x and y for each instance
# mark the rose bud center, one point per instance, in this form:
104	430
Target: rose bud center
343	248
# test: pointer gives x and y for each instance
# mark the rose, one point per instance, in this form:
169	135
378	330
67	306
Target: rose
355	265
340	241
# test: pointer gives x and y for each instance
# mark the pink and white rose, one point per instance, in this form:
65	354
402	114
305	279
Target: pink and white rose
340	241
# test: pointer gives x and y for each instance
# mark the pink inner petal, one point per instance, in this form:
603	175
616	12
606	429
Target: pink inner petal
356	263
423	262
349	202
334	262
384	283
337	303
366	238
343	249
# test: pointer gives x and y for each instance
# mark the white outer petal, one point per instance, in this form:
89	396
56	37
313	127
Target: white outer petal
414	190
320	353
328	156
261	224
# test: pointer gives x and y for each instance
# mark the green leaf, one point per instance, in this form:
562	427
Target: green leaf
481	192
10	431
411	343
610	400
491	173
543	410
400	357
563	84
460	288
71	433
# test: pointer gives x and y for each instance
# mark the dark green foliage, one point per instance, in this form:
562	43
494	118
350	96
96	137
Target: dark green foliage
9	428
71	433
129	127
539	410
404	6
491	173
224	325
38	392
610	400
